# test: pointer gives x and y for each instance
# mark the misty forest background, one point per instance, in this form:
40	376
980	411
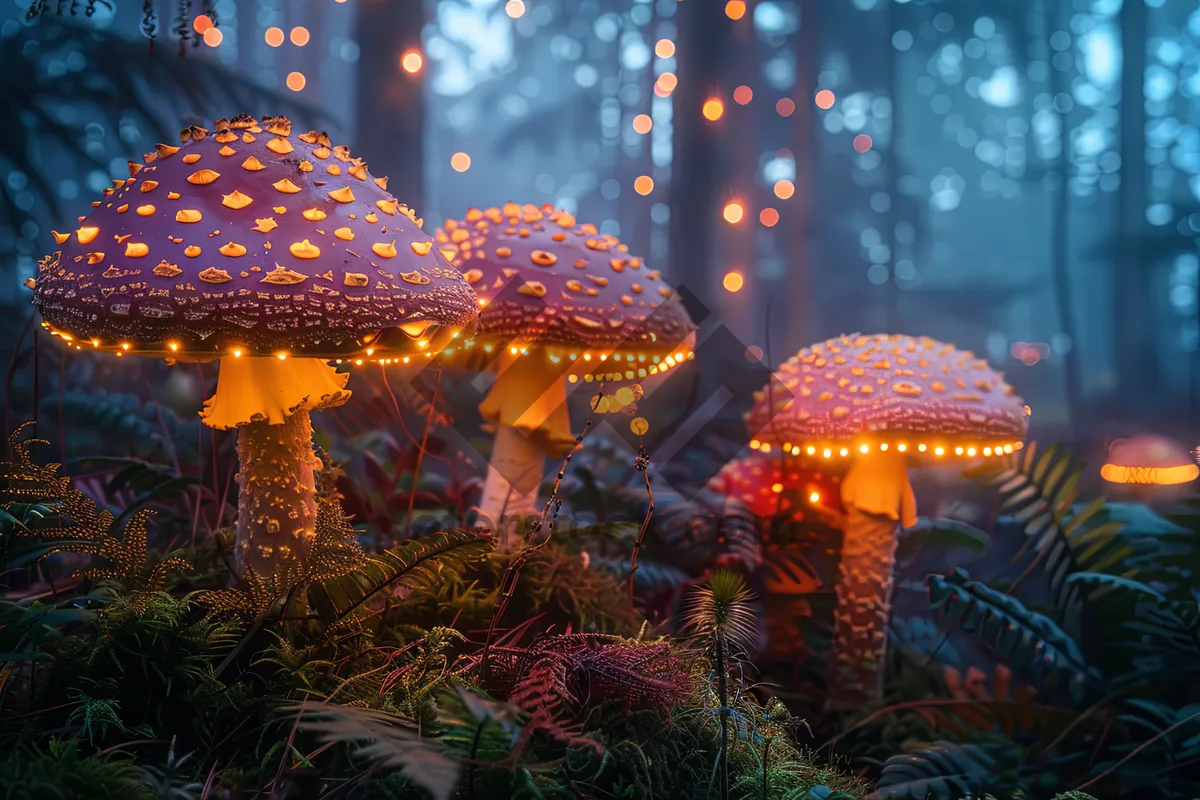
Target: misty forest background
1031	189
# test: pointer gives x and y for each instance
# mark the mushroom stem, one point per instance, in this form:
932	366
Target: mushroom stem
268	401
527	406
510	491
877	497
277	494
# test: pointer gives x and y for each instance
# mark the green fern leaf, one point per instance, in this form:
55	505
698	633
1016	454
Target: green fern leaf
414	564
1031	641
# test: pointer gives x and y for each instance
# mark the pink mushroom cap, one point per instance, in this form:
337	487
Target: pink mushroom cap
858	393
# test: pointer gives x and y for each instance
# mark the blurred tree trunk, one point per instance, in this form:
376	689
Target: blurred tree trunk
1136	380
390	107
801	328
696	185
1060	241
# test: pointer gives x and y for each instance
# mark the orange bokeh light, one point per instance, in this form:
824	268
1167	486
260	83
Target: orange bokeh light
785	107
713	109
202	23
514	8
733	281
743	95
642	123
784	189
665	84
769	217
824	99
299	36
274	37
733	212
643	185
735	9
664	48
213	37
862	143
412	62
296	81
460	162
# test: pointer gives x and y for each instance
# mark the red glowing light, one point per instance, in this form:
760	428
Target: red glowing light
862	143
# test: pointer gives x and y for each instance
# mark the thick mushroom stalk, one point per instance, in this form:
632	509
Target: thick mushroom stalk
531	422
877	496
268	400
877	398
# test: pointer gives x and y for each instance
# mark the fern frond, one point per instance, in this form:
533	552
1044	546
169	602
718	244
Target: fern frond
1039	491
386	740
415	564
1031	641
942	771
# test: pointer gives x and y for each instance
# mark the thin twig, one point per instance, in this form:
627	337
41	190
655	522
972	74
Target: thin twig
642	464
508	582
1138	749
412	494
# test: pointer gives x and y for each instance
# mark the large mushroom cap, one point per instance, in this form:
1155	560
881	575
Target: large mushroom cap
854	394
551	286
251	239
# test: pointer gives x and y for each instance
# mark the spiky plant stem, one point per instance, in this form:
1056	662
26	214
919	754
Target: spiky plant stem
723	714
508	582
641	464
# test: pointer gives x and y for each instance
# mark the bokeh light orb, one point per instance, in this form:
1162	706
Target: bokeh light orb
642	123
296	81
713	109
460	162
643	185
733	212
213	37
784	189
743	95
735	9
769	217
299	36
274	37
411	62
785	107
825	99
862	143
514	8
733	281
202	23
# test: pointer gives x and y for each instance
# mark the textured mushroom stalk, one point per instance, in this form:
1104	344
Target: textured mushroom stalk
511	488
877	495
277	495
251	390
528	409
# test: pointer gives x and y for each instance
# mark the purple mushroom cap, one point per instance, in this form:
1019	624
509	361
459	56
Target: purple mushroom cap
546	281
251	238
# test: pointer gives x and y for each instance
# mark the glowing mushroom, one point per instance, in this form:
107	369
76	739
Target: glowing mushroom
770	487
1149	460
561	304
879	400
223	262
